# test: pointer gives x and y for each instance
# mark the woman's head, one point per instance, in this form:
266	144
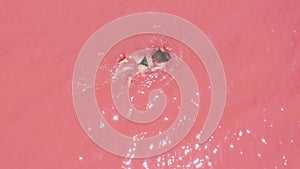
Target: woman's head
160	57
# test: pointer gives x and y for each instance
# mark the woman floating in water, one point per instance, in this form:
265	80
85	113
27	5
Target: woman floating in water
155	61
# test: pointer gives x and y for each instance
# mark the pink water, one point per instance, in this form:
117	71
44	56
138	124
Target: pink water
257	41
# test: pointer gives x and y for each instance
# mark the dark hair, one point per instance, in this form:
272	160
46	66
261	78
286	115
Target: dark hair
160	57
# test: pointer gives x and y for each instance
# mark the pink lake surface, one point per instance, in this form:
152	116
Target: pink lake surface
257	41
